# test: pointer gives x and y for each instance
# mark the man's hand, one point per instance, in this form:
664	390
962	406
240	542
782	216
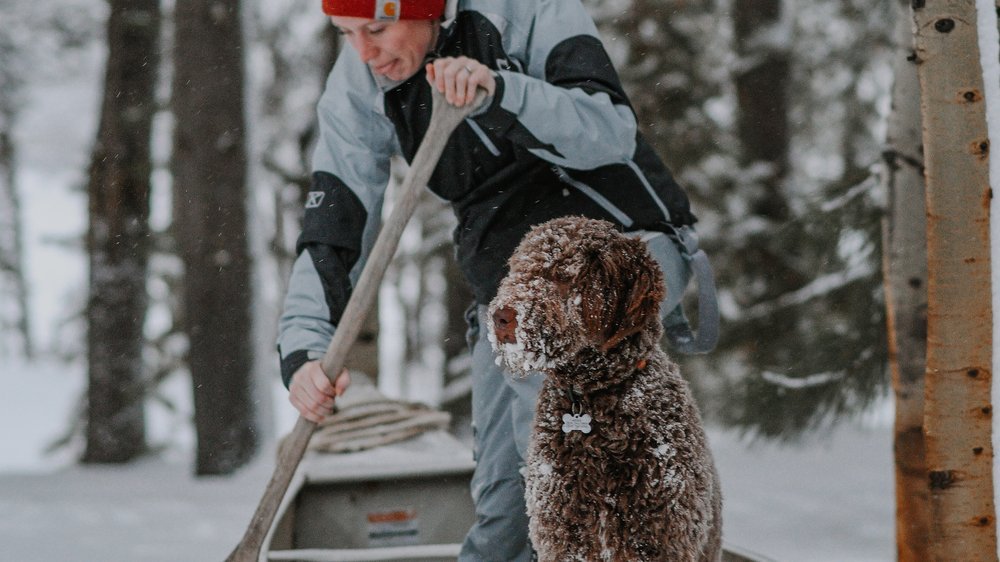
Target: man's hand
313	394
458	77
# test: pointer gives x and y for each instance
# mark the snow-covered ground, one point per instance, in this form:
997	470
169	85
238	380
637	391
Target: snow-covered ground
830	499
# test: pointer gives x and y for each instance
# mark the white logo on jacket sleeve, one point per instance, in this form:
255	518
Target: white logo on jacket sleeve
314	199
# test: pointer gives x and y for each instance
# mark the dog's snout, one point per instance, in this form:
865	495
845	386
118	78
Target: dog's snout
504	324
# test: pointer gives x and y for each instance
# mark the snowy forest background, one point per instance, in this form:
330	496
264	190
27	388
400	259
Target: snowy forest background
145	363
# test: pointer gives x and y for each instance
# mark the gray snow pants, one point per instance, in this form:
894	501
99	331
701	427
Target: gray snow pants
503	410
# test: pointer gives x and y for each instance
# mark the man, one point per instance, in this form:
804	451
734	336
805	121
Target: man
556	136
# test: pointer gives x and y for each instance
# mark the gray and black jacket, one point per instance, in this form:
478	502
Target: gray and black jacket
558	137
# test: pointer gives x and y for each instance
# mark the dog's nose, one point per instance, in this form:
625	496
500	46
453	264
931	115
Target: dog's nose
504	324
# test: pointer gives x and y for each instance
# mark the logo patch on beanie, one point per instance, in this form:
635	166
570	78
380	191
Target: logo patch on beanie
387	10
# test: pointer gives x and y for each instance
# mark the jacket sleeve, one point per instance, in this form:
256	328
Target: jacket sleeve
342	212
566	105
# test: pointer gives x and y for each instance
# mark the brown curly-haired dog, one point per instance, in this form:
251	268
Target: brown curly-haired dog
618	467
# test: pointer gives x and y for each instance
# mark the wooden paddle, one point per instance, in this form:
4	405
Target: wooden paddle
444	119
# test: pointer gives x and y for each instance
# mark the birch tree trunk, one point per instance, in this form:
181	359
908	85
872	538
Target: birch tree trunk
118	237
210	221
958	408
905	272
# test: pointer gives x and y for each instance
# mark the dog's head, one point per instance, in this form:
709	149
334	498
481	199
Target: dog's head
575	285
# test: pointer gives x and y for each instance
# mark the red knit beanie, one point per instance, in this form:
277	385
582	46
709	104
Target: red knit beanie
385	9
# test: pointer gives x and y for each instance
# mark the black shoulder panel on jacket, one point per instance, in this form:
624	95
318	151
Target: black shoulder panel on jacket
332	227
581	62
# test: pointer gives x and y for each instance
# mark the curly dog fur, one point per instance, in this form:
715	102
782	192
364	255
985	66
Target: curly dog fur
581	305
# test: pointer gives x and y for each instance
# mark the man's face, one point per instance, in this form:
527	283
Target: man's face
394	49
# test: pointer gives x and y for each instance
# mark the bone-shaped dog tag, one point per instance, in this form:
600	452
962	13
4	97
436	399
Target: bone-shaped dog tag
576	422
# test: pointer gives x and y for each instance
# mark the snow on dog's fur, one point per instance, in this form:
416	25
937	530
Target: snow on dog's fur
637	482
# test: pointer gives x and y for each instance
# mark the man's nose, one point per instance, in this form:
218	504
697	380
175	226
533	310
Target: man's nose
504	325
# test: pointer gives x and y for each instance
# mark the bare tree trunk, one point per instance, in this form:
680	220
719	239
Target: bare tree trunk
15	300
905	272
210	220
15	308
958	408
762	98
118	237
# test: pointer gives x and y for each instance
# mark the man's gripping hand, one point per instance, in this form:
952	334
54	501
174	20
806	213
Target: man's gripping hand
312	393
458	78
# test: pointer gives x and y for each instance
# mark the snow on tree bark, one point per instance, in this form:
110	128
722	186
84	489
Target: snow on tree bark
958	408
210	198
905	271
118	236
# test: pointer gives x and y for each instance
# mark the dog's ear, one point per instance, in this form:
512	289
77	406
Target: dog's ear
621	287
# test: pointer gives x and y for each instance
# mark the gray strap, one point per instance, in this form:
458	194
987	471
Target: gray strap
680	334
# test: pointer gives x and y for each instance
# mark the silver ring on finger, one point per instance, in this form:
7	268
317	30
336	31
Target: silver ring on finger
467	69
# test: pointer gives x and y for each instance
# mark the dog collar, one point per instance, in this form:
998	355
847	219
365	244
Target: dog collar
578	420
